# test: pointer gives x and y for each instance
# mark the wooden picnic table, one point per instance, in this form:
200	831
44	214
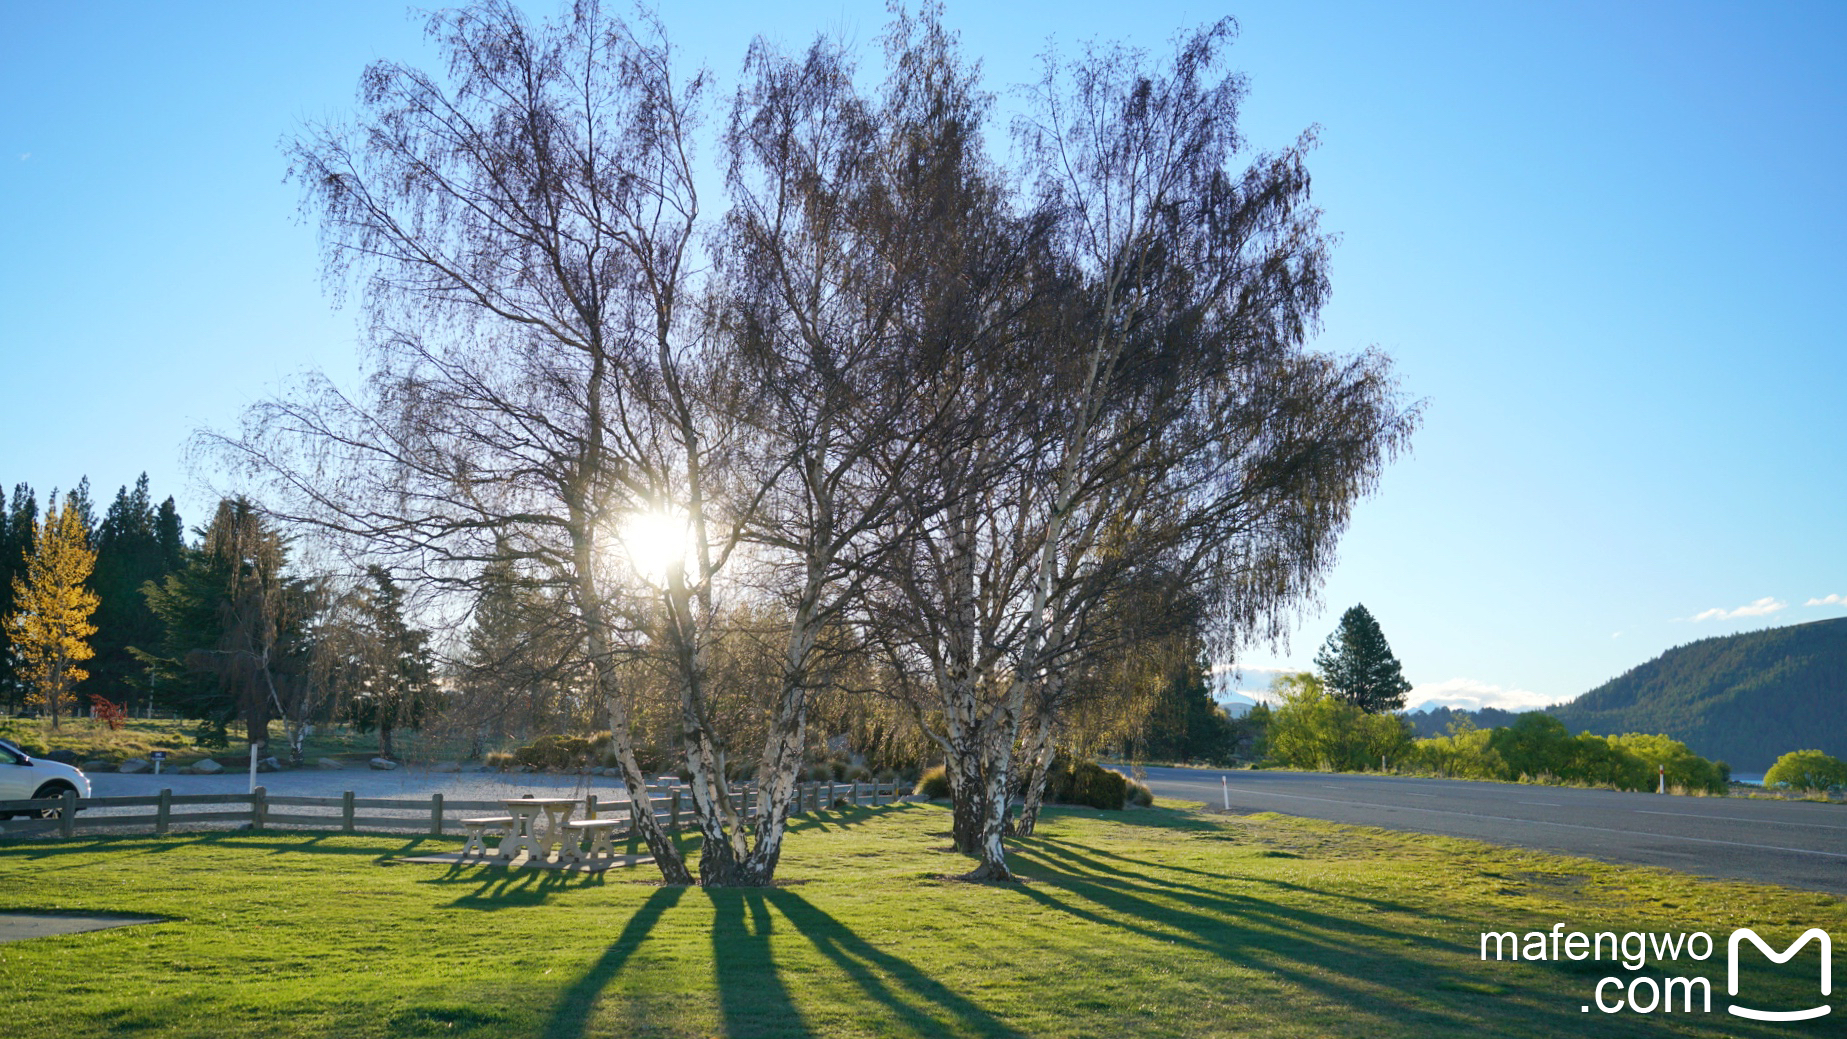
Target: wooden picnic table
525	830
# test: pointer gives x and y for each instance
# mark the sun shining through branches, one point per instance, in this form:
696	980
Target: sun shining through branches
655	543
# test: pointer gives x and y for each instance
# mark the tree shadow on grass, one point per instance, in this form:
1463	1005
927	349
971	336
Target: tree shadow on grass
843	818
753	997
571	1016
751	993
1335	954
1090	860
277	842
924	1005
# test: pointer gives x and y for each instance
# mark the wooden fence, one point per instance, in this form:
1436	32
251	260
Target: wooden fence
261	810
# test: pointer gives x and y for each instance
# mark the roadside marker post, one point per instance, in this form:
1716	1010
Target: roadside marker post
1225	784
1662	789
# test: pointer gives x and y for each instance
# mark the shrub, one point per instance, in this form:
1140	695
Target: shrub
1464	753
1684	768
934	784
1084	783
1311	728
501	759
1807	770
557	751
1139	794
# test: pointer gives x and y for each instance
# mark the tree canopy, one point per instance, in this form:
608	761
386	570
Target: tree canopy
50	624
1356	664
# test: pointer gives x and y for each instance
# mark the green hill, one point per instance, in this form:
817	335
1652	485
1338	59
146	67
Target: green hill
1743	699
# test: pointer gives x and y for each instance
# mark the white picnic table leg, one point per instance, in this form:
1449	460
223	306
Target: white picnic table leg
524	819
560	836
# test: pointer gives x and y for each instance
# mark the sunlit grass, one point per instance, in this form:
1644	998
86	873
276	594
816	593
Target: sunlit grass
1147	923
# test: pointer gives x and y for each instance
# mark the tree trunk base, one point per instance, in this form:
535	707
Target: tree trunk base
990	872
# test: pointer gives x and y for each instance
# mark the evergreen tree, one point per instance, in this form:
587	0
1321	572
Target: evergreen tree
235	626
129	554
77	501
170	536
517	673
1186	725
1357	665
392	684
20	521
50	623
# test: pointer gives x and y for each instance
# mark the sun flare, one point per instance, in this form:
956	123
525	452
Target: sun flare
655	541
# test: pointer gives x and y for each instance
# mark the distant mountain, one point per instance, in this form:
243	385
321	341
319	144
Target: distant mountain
1435	721
1743	699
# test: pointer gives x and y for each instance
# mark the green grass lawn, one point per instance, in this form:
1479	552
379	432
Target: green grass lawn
1156	922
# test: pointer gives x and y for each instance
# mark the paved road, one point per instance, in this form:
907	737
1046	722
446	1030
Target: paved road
1782	842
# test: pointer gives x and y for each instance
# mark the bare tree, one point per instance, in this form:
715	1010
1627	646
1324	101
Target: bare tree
1172	416
521	236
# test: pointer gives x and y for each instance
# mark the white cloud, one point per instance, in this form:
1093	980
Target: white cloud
1470	694
24	156
1828	600
1761	608
1244	682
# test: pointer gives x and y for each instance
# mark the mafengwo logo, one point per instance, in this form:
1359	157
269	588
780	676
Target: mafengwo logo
1641	994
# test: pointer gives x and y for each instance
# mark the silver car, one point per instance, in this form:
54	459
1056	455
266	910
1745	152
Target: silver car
23	776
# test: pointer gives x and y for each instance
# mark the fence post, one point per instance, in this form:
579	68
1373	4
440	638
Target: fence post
346	812
830	793
589	806
674	817
67	814
854	796
163	811
436	815
259	807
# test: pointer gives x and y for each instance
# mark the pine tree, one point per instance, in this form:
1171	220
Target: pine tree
170	536
1357	665
15	544
129	554
234	625
50	622
77	500
393	682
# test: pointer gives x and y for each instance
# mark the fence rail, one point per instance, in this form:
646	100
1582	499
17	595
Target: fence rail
435	816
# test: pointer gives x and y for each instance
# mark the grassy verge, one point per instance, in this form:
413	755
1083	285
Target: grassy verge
1157	922
90	739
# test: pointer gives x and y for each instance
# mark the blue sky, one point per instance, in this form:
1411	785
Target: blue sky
1602	241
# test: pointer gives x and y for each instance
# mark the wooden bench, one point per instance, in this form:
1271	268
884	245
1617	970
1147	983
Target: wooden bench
600	831
477	827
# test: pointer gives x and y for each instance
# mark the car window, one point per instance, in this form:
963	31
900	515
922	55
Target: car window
7	757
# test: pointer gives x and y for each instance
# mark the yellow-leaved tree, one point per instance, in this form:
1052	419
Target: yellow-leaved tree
51	619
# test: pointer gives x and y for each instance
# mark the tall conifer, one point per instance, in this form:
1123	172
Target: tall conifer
129	555
15	544
1357	664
